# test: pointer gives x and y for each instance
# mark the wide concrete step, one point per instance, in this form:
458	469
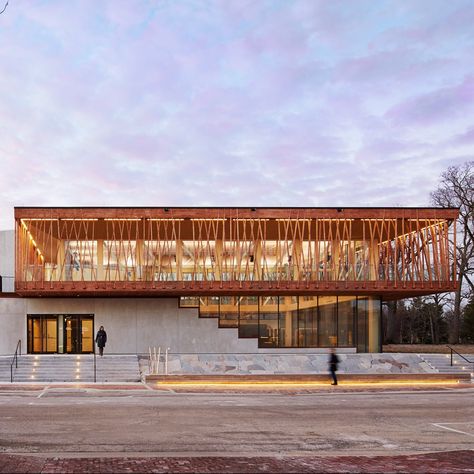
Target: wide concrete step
69	368
442	363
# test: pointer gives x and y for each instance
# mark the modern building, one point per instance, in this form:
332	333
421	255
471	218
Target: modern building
209	280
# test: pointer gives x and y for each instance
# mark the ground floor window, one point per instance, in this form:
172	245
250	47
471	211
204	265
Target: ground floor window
60	333
298	321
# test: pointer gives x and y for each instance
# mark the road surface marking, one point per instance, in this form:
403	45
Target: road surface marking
440	425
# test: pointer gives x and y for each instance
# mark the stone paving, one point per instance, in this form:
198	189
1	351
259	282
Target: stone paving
441	462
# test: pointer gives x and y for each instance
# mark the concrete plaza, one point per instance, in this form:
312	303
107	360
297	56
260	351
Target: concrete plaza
136	427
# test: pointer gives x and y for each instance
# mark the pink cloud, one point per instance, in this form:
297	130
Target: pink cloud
435	106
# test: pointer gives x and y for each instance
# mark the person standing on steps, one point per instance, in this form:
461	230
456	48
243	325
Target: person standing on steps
101	339
333	362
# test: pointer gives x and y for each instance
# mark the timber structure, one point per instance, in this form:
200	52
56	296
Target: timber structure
389	252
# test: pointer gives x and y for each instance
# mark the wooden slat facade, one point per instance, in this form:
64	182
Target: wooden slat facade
391	252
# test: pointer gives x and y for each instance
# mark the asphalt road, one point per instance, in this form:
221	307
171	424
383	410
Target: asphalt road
78	422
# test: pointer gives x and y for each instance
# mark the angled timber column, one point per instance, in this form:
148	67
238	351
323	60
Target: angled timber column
257	259
139	259
218	266
336	252
297	260
373	259
374	325
179	260
61	266
100	260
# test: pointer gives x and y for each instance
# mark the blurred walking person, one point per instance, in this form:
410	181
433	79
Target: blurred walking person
333	363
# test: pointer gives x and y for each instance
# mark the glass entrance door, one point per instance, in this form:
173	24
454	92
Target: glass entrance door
60	333
71	335
87	334
42	334
78	334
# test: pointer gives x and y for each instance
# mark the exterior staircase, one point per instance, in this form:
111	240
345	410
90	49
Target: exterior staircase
442	363
5	362
71	368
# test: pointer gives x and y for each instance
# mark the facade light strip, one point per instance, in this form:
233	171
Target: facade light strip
78	219
171	219
121	219
424	219
32	240
332	219
256	219
41	219
303	219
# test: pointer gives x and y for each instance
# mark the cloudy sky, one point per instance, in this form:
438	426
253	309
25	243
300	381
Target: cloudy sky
262	103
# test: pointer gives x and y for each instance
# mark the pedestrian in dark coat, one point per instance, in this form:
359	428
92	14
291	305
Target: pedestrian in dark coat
333	362
101	339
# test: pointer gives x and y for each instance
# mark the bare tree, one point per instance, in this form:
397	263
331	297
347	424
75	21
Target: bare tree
456	189
4	8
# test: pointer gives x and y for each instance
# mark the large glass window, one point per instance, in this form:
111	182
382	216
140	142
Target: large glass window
248	316
288	309
80	262
292	321
268	322
120	260
346	309
308	321
209	307
327	321
229	312
158	260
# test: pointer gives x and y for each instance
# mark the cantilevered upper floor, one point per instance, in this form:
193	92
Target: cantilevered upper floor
390	252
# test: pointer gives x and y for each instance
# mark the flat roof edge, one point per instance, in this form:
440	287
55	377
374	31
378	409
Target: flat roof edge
242	207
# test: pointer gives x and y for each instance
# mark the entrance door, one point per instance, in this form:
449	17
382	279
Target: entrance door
87	334
78	334
61	333
42	334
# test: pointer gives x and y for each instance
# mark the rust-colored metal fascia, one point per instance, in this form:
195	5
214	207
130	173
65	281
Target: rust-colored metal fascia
108	289
242	213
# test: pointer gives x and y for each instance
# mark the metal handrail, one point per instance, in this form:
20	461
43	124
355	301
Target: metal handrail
15	359
460	355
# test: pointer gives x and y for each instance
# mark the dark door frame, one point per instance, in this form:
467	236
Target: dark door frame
42	317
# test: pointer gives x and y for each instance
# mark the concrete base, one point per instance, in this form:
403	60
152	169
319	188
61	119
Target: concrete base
288	364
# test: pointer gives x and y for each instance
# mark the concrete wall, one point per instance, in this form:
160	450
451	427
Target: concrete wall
132	325
12	324
7	259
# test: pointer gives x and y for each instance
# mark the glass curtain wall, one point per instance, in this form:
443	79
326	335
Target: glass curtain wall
269	328
248	316
304	321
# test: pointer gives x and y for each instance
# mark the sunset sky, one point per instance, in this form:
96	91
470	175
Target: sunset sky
229	103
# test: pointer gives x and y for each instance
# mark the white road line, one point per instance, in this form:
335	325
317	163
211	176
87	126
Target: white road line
439	425
45	389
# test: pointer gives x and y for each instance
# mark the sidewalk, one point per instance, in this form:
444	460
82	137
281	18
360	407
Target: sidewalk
441	462
238	387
